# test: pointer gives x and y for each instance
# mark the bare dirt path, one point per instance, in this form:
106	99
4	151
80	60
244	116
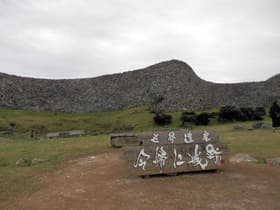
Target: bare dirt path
101	183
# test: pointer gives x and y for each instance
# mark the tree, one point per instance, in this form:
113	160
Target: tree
258	113
202	119
162	119
188	118
274	113
229	113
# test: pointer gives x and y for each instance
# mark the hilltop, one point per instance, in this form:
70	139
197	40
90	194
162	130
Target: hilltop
175	80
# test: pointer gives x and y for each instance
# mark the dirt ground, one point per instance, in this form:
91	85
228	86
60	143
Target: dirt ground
101	183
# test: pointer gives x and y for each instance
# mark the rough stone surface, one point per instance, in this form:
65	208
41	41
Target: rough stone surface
274	162
238	158
175	80
36	160
240	128
20	162
258	125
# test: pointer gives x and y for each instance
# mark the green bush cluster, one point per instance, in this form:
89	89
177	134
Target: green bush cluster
197	119
225	114
232	113
161	118
274	113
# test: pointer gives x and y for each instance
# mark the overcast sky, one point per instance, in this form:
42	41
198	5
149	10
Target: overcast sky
223	40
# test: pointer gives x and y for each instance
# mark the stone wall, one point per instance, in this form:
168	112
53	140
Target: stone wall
181	88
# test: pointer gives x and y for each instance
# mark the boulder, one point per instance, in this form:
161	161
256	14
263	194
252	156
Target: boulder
258	125
274	162
36	161
240	157
239	128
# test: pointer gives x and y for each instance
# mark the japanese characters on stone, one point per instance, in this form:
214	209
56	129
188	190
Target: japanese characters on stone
200	155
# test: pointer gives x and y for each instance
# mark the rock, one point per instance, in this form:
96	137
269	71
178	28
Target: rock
3	139
175	80
258	125
92	157
80	191
26	162
239	128
266	125
36	161
22	162
6	131
274	162
240	157
124	139
19	161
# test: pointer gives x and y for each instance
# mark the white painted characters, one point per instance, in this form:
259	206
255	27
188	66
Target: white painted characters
188	137
160	157
205	136
155	138
142	160
196	160
171	137
203	153
178	160
212	153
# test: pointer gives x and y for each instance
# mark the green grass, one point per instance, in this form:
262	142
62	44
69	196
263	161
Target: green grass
136	119
261	143
133	119
15	180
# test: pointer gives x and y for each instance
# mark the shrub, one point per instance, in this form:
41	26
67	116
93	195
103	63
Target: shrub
188	117
202	119
274	113
214	115
259	112
12	124
229	113
246	114
162	119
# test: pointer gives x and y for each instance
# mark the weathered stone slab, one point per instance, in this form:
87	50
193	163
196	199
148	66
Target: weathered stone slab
173	152
124	139
76	133
261	125
53	135
61	134
6	131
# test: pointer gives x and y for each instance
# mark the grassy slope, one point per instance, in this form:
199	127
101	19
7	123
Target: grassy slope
136	118
15	180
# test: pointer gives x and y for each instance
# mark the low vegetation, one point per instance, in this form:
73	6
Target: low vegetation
232	113
274	113
14	180
21	122
162	119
